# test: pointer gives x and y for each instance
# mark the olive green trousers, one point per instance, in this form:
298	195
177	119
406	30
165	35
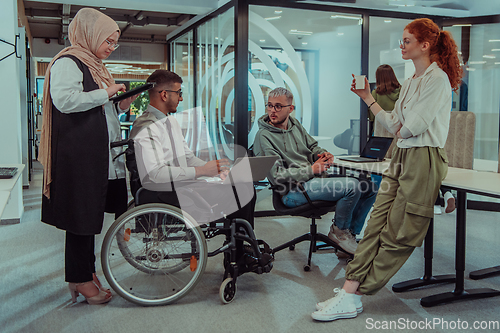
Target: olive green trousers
400	217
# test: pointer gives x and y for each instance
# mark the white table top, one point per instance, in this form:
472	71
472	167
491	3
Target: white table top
373	167
473	181
8	184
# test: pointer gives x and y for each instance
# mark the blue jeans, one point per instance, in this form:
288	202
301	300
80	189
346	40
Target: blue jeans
354	199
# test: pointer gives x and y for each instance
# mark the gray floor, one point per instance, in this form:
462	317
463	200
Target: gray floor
34	297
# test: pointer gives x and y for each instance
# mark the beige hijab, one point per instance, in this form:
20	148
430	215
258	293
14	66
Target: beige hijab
87	31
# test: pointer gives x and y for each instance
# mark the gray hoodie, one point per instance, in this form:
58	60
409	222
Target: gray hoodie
295	147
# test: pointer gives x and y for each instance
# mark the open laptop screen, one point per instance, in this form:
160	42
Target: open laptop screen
376	147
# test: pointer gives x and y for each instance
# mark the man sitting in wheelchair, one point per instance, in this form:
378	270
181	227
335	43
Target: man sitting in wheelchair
170	172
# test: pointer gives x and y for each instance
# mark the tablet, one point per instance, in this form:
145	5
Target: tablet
132	92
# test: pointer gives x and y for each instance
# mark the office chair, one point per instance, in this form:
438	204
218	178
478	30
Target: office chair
313	210
345	140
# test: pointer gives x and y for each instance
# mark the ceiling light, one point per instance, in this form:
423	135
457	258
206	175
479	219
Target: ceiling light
304	43
345	17
489	56
402	3
387	21
262	40
272	18
470	69
495	50
340	34
462	25
494	40
184	53
302	33
278	11
497	62
477	62
102	8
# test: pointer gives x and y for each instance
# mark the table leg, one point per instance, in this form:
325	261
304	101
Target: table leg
459	293
484	273
427	279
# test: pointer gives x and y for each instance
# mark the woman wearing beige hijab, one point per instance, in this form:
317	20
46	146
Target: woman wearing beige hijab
75	145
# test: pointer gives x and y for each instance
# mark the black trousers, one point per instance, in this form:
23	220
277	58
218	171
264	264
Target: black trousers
79	253
79	257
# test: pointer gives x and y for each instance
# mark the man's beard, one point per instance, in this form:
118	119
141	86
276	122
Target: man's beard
276	123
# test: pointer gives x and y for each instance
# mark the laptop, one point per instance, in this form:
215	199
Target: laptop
374	151
250	169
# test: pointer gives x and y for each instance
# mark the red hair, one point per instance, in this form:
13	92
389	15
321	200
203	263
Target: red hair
443	49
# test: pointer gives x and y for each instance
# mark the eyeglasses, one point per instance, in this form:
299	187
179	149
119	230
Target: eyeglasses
112	44
403	44
179	92
277	107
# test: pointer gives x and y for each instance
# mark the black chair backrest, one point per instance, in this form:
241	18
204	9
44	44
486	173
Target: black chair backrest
131	163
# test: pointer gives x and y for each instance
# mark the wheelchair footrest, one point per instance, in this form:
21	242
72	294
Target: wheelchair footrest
249	262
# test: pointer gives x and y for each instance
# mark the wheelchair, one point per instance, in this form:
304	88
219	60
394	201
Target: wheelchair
155	253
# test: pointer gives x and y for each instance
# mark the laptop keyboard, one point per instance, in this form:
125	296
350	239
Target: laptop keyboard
7	172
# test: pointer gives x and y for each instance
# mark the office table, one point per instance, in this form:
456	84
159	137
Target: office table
6	185
463	181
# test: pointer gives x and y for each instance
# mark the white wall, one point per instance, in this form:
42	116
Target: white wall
340	56
10	126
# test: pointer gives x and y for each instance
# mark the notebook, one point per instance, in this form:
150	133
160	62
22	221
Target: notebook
250	169
374	151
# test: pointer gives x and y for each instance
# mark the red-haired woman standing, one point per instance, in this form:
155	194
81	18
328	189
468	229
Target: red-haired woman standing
404	204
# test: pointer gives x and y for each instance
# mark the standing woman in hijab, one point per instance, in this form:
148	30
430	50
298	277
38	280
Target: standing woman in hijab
75	145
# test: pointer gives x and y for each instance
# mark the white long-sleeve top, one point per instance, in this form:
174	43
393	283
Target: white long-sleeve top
66	90
422	112
154	151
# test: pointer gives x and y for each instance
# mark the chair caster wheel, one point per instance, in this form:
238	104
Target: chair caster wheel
292	247
307	268
227	290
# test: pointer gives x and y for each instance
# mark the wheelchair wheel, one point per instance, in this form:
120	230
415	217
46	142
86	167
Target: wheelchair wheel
154	254
227	290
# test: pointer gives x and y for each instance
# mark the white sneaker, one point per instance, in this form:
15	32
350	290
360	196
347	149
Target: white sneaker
343	238
437	210
340	307
357	302
449	202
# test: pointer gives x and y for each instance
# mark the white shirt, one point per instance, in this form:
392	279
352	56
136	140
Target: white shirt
157	163
422	110
66	90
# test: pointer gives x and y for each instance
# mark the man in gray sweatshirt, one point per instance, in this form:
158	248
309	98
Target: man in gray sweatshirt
303	161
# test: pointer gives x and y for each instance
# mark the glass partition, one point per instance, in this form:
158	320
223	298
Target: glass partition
312	53
215	82
181	62
385	34
480	90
